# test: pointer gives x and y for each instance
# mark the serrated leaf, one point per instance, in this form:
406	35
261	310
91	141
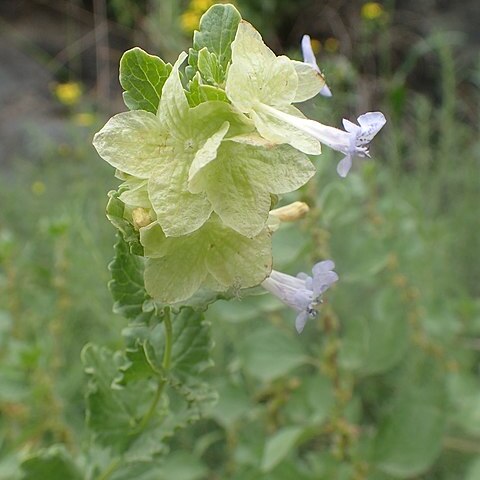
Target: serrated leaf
142	76
268	353
109	415
209	67
53	463
199	93
279	445
191	344
216	32
127	286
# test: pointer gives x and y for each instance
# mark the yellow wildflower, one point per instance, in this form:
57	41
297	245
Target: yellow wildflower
84	119
68	93
189	21
38	188
371	11
316	45
331	45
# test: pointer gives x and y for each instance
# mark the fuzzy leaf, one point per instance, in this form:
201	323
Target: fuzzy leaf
209	67
142	76
127	286
54	463
199	93
216	33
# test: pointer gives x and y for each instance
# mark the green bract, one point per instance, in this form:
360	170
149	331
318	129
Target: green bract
258	78
215	257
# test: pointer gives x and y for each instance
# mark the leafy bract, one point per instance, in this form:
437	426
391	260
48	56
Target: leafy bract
160	149
216	32
239	181
214	256
142	76
258	78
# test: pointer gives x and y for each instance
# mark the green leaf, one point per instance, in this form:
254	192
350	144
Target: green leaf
279	445
53	463
191	344
127	286
142	76
233	404
378	343
209	67
268	353
109	414
199	93
217	30
411	434
312	402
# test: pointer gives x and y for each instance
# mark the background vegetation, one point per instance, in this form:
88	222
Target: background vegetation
385	384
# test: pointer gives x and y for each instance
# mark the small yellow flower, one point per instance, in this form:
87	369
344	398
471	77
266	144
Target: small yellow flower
372	11
38	188
68	93
316	45
331	45
189	21
201	5
84	119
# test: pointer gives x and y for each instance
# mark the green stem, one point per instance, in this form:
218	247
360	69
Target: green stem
109	470
167	358
166	363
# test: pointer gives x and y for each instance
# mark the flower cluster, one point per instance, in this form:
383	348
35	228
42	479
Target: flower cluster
204	154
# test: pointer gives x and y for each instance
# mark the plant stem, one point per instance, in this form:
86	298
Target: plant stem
167	357
166	363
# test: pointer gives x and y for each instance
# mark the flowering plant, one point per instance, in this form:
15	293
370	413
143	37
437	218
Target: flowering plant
204	161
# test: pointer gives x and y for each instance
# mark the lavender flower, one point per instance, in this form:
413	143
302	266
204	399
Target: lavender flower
309	57
353	142
302	293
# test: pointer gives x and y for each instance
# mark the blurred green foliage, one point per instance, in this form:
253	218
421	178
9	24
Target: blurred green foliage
384	385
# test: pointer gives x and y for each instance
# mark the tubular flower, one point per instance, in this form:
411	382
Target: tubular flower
309	58
303	293
353	142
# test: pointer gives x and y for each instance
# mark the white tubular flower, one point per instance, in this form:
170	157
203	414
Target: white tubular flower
353	142
303	293
309	57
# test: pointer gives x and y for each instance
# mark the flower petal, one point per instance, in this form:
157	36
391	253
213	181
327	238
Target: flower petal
344	166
